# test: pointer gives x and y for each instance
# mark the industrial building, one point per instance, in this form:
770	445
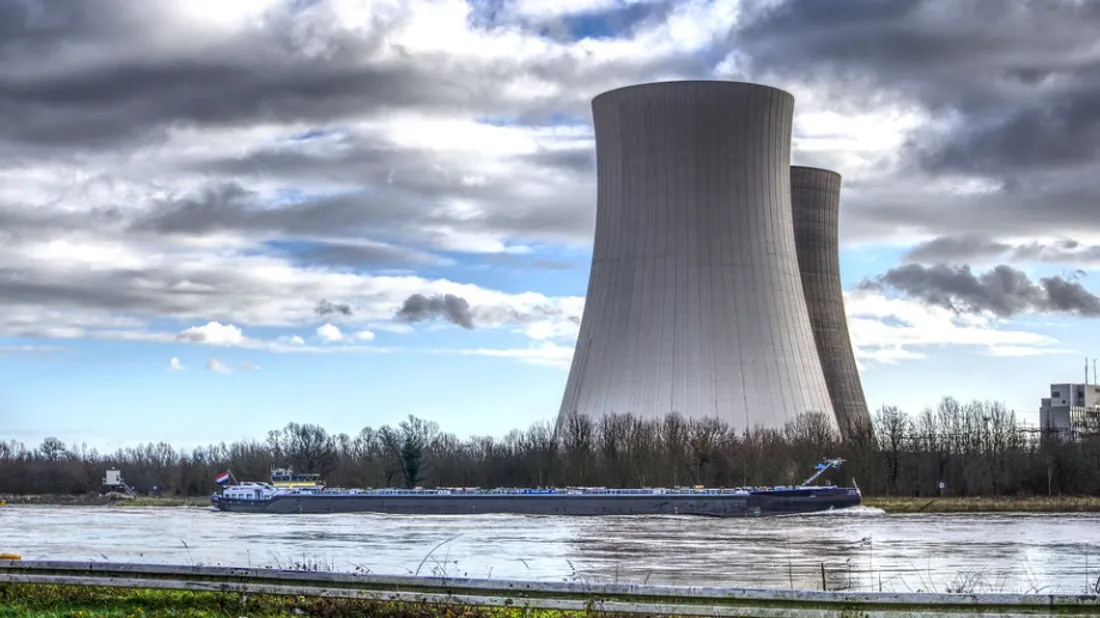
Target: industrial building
1071	407
695	300
815	203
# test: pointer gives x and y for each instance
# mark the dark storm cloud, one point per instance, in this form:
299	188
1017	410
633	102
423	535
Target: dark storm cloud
1066	251
455	309
1012	88
1047	206
1060	130
372	159
228	206
1017	73
218	207
419	307
977	247
400	197
906	45
1003	290
21	220
223	291
119	103
109	290
954	249
298	67
262	75
173	157
325	307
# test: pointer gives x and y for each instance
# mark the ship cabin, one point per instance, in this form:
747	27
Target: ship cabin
287	478
248	491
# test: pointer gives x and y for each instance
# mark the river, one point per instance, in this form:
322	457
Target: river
861	549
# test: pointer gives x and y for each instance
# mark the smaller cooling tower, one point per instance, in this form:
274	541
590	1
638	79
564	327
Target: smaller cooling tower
815	204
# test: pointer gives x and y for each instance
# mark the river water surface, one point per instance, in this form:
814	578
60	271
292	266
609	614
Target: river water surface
861	549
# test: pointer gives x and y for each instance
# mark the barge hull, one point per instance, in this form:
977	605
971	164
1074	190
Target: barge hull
750	505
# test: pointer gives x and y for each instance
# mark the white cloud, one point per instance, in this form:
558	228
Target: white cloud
362	335
889	356
108	281
228	335
175	365
11	350
86	268
329	333
541	9
217	366
1016	350
213	333
890	330
546	353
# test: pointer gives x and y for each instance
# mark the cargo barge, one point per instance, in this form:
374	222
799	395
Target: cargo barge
259	497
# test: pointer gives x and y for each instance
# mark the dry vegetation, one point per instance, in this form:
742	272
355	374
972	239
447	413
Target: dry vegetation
978	449
27	601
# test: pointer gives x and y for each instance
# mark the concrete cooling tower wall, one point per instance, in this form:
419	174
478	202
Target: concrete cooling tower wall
815	203
695	302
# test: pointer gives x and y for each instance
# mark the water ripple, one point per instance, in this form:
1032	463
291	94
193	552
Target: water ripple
861	548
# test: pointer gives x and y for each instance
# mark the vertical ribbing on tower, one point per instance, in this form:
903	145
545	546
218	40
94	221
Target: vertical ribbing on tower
815	204
695	302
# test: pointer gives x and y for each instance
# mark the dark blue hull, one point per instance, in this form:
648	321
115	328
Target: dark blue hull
755	504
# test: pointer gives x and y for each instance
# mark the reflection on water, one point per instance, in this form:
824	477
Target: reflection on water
861	549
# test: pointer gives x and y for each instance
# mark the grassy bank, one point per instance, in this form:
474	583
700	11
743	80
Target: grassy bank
203	501
112	499
1031	504
41	601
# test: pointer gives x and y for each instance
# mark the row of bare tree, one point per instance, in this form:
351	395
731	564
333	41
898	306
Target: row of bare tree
978	448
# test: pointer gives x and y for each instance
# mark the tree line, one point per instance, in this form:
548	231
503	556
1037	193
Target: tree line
975	449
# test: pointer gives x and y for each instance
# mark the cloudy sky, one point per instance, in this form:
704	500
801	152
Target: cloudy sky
217	217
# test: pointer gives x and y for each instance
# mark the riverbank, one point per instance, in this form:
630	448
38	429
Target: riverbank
896	505
1029	504
41	601
109	499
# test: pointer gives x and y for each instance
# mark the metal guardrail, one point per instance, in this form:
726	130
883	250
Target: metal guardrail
575	596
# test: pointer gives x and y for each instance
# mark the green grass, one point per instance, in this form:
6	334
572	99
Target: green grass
48	601
1031	504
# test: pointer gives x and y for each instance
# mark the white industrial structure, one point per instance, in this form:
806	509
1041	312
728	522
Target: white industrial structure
815	205
695	302
113	480
1072	406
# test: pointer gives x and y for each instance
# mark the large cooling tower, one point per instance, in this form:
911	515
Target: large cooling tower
815	203
694	302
